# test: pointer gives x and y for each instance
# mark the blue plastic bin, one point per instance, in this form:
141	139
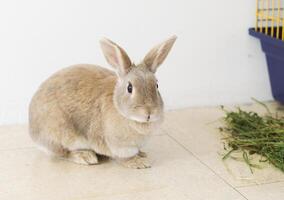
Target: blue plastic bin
274	51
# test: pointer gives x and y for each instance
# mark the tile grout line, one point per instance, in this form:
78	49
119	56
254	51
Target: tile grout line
235	189
259	184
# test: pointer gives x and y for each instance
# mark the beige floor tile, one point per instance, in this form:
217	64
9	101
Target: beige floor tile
167	193
197	130
14	137
28	174
273	191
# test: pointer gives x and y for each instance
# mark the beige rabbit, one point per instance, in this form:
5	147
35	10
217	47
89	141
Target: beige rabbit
84	110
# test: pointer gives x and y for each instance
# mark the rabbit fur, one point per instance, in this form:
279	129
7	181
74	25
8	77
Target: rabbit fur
85	110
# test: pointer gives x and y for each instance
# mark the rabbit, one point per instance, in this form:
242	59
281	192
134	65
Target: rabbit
84	110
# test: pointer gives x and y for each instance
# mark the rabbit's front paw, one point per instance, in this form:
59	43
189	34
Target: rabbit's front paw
83	157
136	162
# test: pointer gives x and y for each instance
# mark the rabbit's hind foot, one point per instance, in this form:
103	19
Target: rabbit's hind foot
83	157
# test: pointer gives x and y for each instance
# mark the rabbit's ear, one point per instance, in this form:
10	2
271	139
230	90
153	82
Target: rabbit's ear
116	56
158	54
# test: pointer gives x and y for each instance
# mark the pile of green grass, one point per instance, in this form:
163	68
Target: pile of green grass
251	133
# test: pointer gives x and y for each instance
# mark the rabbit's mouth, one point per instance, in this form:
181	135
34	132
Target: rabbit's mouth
145	114
145	118
141	113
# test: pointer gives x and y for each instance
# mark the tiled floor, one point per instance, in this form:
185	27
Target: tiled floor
186	164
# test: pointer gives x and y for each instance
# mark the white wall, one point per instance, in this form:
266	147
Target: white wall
213	62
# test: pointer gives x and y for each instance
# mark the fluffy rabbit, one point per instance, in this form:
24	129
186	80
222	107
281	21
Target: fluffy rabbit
84	110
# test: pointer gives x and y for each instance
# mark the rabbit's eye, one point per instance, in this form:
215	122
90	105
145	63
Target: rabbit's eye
129	88
157	85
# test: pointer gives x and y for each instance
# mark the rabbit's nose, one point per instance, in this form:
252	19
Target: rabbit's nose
148	117
148	113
